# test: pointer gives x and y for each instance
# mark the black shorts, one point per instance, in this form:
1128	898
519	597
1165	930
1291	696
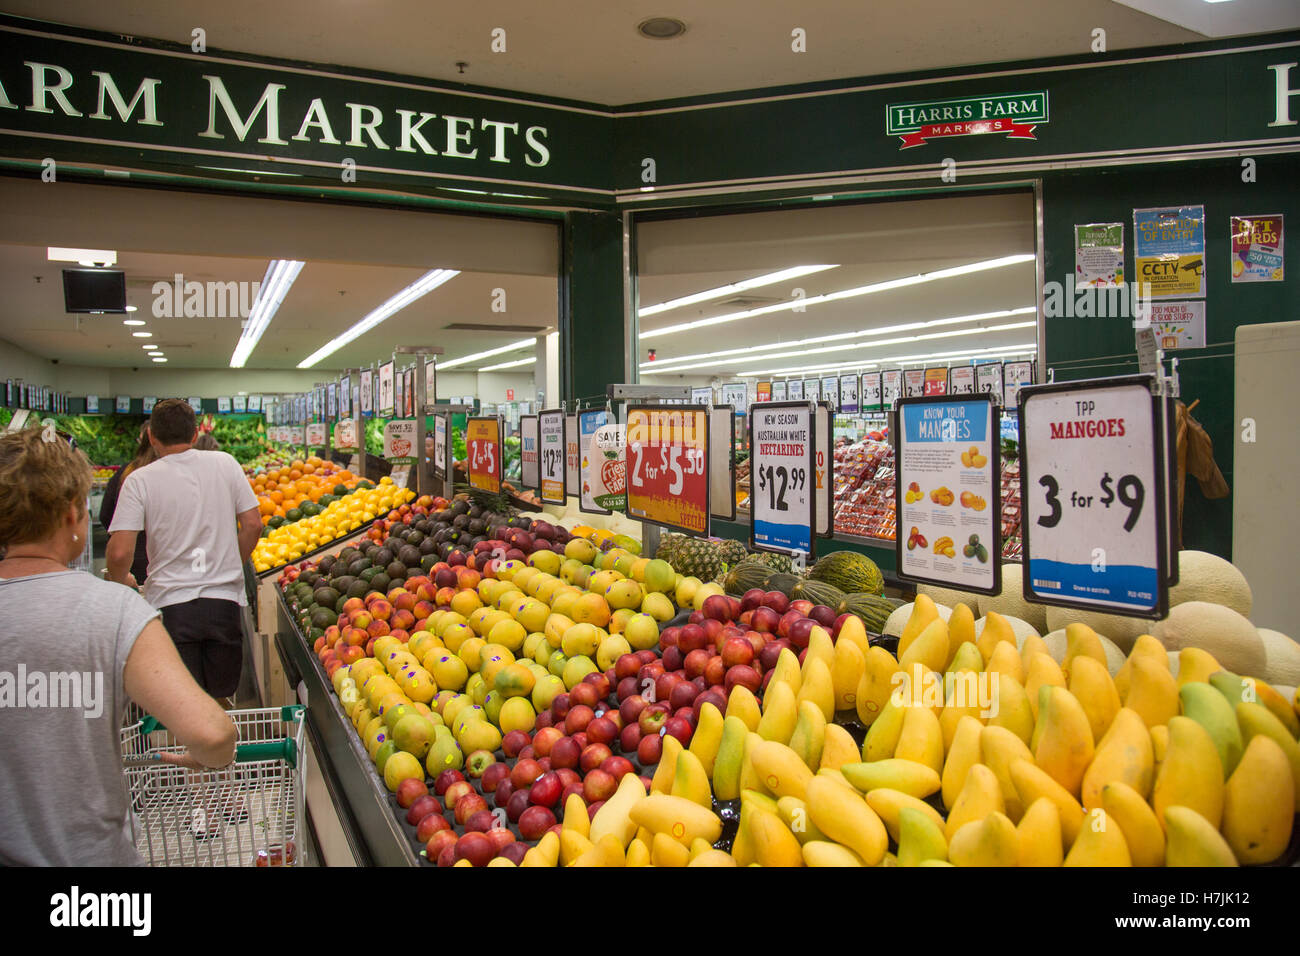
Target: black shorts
208	633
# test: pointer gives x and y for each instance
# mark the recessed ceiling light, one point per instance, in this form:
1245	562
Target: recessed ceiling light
661	28
159	358
523	361
131	308
148	346
420	287
133	321
465	360
730	288
142	335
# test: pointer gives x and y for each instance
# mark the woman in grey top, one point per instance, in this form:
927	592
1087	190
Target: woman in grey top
73	649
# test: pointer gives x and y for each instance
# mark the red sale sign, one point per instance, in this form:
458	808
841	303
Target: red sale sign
667	466
483	449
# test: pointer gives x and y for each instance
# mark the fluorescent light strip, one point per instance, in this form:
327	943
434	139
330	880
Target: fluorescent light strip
854	345
467	359
280	276
86	257
523	361
420	287
845	294
841	336
991	351
725	290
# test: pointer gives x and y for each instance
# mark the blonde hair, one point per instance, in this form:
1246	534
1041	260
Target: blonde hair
39	478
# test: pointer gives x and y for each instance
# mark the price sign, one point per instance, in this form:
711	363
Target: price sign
254	403
572	456
891	387
1016	375
483	449
239	404
399	442
529	472
604	464
702	396
440	447
722	462
387	403
399	395
824	469
367	393
1093	486
913	382
736	395
223	404
947	493
831	392
550	426
764	392
961	380
430	384
668	466
345	397
345	435
849	394
196	403
778	391
122	404
870	390
316	434
408	392
782	447
988	378
812	389
795	389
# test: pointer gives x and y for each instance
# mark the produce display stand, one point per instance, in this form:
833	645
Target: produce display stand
357	795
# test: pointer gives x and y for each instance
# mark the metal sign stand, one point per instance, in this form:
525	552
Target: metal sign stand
421	352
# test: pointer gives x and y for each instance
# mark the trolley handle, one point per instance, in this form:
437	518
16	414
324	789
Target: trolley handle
284	749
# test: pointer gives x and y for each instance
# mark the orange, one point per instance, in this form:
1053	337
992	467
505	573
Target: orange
277	496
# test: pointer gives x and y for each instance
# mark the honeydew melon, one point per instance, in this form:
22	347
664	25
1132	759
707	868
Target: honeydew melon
1119	628
1221	631
1011	602
898	619
1282	657
1057	645
1019	626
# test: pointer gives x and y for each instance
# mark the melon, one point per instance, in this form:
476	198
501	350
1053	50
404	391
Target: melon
950	598
1120	628
1011	602
1020	627
1057	645
898	620
1282	657
1223	632
1207	577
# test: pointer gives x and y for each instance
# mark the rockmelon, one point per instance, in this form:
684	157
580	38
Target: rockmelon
1011	602
898	620
1223	632
950	598
1282	657
1057	646
1120	628
1020	627
1207	577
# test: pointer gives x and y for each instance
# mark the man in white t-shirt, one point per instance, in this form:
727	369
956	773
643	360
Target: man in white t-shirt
202	522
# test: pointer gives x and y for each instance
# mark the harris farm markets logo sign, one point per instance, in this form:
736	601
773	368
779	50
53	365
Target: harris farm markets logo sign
1014	115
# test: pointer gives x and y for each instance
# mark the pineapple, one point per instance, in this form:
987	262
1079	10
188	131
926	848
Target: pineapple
668	546
777	562
732	552
695	557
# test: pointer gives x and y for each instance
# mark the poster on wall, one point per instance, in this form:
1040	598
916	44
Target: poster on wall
891	387
794	389
386	404
936	381
961	380
1098	254
1169	251
988	378
913	383
778	391
367	392
1179	325
1256	248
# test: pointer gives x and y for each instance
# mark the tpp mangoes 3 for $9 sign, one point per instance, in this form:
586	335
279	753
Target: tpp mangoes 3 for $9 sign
667	466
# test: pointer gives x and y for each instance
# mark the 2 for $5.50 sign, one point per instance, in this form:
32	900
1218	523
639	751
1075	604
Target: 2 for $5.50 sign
667	462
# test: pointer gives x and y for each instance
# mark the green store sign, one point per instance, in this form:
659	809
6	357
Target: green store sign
1014	115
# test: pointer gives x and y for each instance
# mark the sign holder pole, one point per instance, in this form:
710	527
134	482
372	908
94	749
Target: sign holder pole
448	410
421	352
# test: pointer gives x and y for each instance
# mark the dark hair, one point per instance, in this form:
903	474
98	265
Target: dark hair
172	422
144	453
207	443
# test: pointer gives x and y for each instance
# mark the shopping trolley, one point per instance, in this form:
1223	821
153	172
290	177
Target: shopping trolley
246	814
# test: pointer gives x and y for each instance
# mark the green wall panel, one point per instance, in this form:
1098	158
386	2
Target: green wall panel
592	337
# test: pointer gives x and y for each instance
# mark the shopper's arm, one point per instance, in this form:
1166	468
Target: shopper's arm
157	679
119	555
250	529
